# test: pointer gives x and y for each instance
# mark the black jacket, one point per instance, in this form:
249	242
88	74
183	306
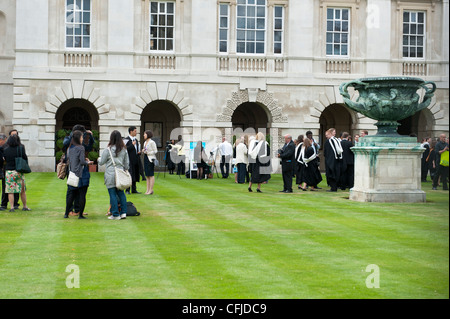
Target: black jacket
287	156
10	153
347	154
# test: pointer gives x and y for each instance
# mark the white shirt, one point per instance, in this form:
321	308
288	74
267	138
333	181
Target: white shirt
150	149
226	149
241	153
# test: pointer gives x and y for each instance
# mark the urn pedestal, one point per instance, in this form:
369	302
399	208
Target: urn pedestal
387	169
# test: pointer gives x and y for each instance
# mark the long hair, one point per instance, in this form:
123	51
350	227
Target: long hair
116	140
306	143
13	140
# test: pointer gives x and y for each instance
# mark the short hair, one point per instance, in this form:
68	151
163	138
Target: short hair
13	130
308	133
345	135
3	137
131	129
149	133
79	127
365	132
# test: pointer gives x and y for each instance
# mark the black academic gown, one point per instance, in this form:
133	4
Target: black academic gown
311	174
332	166
348	167
261	168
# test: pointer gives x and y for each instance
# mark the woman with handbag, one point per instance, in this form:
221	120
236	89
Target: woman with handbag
14	179
77	162
150	150
115	157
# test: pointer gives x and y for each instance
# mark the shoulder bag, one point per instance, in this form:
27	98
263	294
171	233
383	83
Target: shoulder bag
123	177
21	163
61	169
72	180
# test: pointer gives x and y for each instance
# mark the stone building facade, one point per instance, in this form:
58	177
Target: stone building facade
208	67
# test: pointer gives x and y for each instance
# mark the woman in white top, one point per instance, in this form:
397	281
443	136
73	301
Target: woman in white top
241	160
150	150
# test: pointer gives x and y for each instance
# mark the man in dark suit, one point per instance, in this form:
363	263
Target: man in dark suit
133	148
348	166
287	156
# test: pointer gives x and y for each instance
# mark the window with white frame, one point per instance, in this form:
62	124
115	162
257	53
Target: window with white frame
278	28
251	26
224	21
78	23
338	30
162	24
413	34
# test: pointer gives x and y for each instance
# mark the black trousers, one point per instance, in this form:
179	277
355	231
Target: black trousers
242	173
288	174
225	163
5	199
424	171
73	193
442	172
181	167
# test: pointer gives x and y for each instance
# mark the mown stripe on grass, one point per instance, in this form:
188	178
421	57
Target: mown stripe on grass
357	234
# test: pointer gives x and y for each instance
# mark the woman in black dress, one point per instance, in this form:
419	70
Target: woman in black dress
261	168
310	173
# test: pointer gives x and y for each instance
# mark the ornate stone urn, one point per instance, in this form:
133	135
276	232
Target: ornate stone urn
387	165
388	99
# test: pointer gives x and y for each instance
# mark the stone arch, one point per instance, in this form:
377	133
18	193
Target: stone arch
77	89
331	96
77	111
263	98
164	91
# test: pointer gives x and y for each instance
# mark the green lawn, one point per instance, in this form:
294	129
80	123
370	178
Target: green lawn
213	239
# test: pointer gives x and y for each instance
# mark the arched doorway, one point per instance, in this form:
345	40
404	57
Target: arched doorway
334	116
420	124
161	117
77	111
250	115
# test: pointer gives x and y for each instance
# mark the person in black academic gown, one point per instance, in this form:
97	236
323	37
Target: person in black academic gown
333	160
133	148
348	161
310	166
287	156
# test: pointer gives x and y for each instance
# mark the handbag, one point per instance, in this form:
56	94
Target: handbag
21	163
123	177
73	180
61	169
444	159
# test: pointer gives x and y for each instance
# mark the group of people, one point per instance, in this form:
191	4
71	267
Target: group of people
13	181
431	161
299	159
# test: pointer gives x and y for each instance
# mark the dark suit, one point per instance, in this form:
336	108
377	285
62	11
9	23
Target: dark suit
424	164
287	156
348	165
135	163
